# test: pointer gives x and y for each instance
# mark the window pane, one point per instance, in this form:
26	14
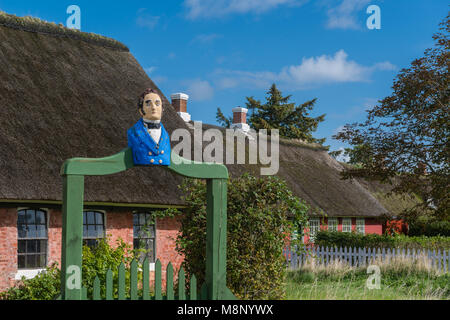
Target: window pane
135	219
100	233
22	231
31	246
22	246
99	218
41	231
21	262
21	217
90	217
141	219
31	233
30	261
92	233
40	217
43	246
41	260
136	230
30	216
84	217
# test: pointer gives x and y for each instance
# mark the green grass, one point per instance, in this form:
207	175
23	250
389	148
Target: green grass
400	278
310	286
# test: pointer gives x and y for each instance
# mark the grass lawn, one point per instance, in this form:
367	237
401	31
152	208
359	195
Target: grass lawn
309	286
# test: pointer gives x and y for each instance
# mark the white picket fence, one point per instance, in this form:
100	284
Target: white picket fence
364	256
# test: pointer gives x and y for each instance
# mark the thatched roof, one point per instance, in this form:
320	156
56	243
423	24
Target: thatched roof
64	96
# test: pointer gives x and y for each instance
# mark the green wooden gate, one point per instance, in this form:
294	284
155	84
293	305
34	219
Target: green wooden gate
73	172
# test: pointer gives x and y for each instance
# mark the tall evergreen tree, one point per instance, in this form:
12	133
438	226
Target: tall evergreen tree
293	122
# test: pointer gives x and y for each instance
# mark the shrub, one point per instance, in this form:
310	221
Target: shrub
346	239
257	228
96	262
429	228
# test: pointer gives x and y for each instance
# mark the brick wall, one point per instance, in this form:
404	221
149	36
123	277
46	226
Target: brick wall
119	224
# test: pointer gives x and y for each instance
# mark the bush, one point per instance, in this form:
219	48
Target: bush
257	229
96	262
45	286
347	239
429	228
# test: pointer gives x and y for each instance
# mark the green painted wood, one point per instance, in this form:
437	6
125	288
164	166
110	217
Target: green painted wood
146	279
193	288
204	292
158	280
72	237
96	294
84	293
216	237
109	285
181	285
199	170
121	284
124	160
133	280
169	282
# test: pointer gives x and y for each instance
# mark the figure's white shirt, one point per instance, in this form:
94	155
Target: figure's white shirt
154	133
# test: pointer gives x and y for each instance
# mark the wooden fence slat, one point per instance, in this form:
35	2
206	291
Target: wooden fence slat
439	260
204	292
181	285
84	293
96	293
193	288
146	279
109	285
169	282
158	280
121	285
133	280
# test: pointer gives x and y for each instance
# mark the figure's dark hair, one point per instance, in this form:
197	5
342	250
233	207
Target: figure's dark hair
142	96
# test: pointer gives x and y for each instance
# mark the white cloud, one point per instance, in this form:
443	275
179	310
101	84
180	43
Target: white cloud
206	38
145	20
344	16
310	72
219	8
342	157
150	70
199	90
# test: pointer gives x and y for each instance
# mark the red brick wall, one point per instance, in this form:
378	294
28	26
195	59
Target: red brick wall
8	246
119	224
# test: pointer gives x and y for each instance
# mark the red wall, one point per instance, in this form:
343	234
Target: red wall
119	224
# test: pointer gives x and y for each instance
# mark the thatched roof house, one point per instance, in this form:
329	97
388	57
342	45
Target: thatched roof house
66	94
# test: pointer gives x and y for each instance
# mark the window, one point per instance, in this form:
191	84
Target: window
332	224
93	228
360	225
314	226
144	234
346	224
32	239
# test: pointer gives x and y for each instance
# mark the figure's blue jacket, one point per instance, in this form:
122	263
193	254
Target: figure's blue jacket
145	150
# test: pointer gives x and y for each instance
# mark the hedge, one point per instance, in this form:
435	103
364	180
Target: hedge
347	239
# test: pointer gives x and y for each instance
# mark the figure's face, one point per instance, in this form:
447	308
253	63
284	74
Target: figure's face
152	107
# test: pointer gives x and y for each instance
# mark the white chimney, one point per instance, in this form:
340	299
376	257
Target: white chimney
240	119
179	102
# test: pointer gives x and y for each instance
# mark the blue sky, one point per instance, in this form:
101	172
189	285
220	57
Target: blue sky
221	51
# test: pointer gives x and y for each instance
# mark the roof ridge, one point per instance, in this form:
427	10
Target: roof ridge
32	24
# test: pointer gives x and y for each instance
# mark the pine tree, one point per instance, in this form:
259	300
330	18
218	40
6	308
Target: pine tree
293	122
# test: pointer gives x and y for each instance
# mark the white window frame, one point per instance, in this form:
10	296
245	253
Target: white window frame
361	225
314	227
346	224
332	224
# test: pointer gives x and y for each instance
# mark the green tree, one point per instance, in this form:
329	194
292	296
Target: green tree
258	226
224	121
406	137
293	122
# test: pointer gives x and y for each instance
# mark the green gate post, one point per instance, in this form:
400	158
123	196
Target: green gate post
72	236
73	172
216	238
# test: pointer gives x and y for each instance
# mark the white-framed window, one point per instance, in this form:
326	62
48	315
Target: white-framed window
346	224
32	236
144	235
314	227
93	227
360	225
332	224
